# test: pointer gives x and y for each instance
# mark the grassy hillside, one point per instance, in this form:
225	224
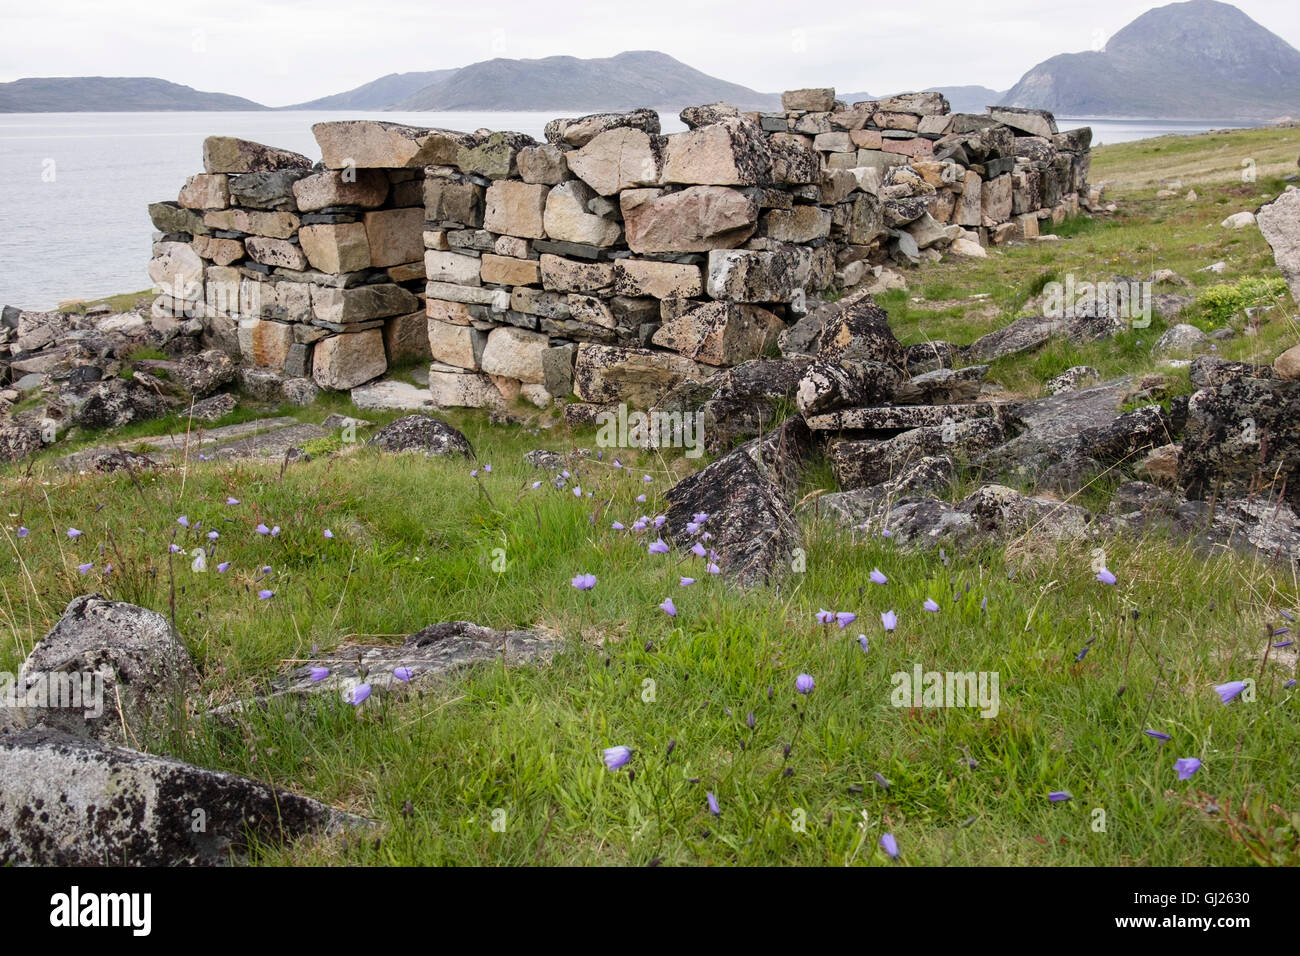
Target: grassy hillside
707	699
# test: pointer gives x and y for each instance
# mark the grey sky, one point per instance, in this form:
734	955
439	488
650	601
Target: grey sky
294	50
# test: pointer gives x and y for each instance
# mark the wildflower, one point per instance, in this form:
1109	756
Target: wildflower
83	568
647	479
275	531
1186	766
616	757
886	533
1157	735
402	673
697	549
584	582
1286	614
1105	577
74	533
358	694
474	473
639	524
536	485
687	582
618	526
889	845
213	536
1081	655
262	529
24	532
877	577
617	463
668	607
659	520
889	620
700	517
804	684
174	548
488	468
658	546
1229	690
929	605
712	568
862	642
713	804
845	618
221	568
882	781
692	527
265	595
329	534
1057	796
641	498
318	674
577	491
825	617
232	501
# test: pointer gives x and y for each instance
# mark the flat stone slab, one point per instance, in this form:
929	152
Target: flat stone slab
426	654
67	801
390	394
173	445
272	444
898	417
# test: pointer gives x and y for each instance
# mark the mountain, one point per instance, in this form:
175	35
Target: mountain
377	94
962	99
1195	60
111	94
626	81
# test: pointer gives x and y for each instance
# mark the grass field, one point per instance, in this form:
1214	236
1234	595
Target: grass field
504	765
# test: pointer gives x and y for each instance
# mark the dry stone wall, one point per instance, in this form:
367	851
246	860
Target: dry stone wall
610	262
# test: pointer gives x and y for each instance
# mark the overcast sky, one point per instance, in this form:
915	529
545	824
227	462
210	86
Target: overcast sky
294	50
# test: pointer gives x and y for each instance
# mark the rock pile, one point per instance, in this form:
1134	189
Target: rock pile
610	262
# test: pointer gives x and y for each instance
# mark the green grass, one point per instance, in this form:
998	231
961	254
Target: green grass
414	543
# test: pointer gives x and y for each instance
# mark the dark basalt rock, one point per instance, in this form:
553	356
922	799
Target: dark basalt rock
746	495
1209	371
266	190
1242	438
424	434
73	802
860	464
856	329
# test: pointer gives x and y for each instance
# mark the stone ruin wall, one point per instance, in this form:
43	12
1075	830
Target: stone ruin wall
610	262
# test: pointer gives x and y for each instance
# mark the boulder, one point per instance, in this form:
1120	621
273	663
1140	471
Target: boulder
1242	438
74	802
1180	339
815	99
229	154
567	217
582	130
424	434
746	496
1030	122
370	144
605	373
783	274
543	164
204	373
720	333
18	442
854	328
826	386
515	353
1279	223
942	386
618	159
342	362
492	155
730	152
1239	220
859	464
106	671
695	219
115	402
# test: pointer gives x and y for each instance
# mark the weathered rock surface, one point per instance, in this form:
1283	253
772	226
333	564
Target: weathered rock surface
1279	222
424	434
74	802
130	667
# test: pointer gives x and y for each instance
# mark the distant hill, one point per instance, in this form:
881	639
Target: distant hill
626	81
111	94
962	99
376	95
1195	60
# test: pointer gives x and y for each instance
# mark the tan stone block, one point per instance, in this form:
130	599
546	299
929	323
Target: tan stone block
340	247
516	209
504	270
395	236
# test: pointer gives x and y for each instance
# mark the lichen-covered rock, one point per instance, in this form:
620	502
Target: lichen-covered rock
370	144
695	219
1210	371
720	333
1279	223
942	386
116	402
826	386
930	475
18	442
856	329
74	802
1242	438
424	434
745	494
860	464
640	377
204	373
1072	379
1022	335
894	418
580	131
130	667
229	154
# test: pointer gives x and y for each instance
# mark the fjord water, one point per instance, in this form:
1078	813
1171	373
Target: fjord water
74	187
